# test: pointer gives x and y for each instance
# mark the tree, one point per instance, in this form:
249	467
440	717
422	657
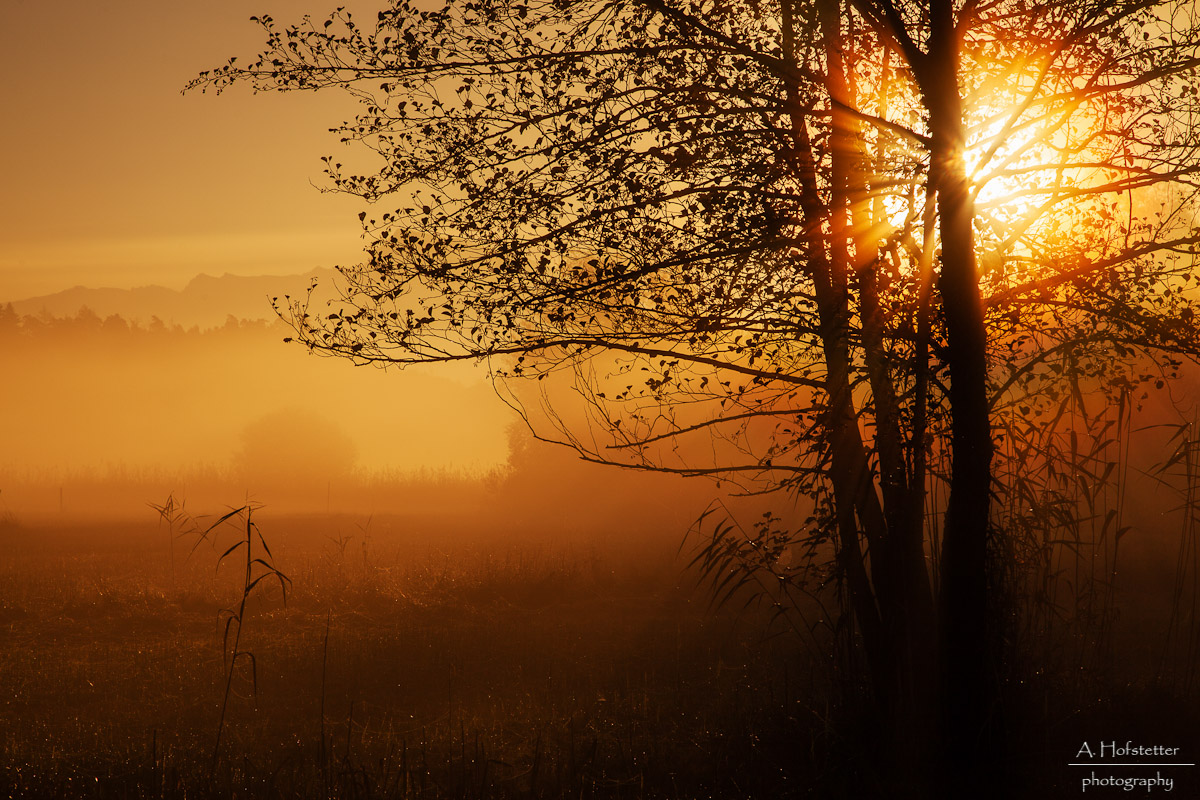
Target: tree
832	240
284	446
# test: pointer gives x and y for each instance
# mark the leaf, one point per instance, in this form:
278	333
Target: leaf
232	548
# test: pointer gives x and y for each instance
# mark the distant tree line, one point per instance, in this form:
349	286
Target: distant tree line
86	323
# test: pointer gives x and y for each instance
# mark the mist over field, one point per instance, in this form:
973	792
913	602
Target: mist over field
124	395
566	640
454	588
802	400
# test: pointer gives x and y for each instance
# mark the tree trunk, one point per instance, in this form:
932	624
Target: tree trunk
967	688
904	677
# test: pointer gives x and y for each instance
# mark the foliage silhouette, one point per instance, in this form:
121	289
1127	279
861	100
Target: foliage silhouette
824	248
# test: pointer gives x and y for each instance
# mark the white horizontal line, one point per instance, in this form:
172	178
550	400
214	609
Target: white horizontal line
1134	764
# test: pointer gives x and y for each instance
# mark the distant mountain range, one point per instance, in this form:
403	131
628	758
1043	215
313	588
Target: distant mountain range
206	301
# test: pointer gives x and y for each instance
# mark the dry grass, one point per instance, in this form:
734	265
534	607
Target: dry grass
452	667
426	657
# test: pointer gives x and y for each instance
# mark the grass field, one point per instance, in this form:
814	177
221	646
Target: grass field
436	656
414	658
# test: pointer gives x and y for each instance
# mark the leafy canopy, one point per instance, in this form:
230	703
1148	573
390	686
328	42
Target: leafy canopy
678	204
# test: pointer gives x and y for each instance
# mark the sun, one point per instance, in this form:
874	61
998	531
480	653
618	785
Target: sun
1044	160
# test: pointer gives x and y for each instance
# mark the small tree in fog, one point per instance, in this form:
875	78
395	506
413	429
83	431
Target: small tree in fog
823	248
295	448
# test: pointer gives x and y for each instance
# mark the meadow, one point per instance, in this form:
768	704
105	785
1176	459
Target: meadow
414	657
537	633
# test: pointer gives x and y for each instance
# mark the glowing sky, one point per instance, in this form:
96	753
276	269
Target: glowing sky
113	178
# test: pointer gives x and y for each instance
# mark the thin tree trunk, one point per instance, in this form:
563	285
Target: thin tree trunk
904	678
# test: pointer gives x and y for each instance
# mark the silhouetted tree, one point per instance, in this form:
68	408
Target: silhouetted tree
832	241
295	448
116	326
10	321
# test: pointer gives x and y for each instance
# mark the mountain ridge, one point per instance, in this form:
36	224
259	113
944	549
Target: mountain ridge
206	300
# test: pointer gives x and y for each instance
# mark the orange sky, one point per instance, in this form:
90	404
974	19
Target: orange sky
114	179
